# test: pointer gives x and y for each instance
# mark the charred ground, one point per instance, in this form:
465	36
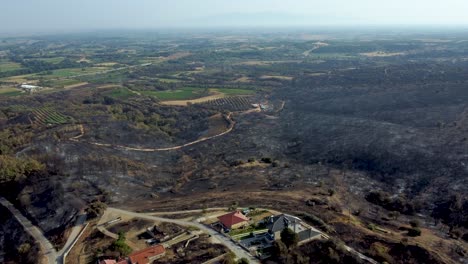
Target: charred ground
356	133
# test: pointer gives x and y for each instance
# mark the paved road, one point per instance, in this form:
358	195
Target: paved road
46	246
360	255
79	225
53	257
238	251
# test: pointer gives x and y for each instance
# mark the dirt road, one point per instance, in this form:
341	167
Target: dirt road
230	128
237	250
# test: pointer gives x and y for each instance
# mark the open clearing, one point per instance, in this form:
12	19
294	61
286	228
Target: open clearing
382	54
194	101
121	93
186	93
167	80
263	63
54	60
6	66
214	94
74	71
278	77
9	91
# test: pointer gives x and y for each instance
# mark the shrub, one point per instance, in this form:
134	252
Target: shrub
414	232
289	237
415	223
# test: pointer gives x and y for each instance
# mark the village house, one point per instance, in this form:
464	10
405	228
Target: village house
276	224
148	255
113	261
233	220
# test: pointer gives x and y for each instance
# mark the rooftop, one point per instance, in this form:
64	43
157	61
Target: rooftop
146	256
228	220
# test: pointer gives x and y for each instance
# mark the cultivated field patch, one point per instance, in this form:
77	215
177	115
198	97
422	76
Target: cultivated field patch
6	66
9	91
49	116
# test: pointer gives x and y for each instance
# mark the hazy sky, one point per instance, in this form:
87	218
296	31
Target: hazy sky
63	15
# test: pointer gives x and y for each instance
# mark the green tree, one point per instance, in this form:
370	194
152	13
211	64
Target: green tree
229	258
279	250
243	261
289	237
96	209
120	245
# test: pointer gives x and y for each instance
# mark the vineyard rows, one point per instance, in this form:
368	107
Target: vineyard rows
46	115
233	103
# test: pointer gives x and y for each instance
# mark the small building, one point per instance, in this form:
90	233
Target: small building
233	220
113	261
108	261
148	255
29	88
276	224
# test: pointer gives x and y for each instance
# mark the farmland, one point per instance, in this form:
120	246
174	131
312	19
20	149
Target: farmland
186	93
121	93
49	116
8	66
4	91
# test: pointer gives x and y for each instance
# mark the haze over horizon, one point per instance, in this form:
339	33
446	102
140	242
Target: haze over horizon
66	15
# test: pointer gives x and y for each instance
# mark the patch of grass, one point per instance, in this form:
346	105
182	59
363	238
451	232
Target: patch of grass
62	83
166	80
72	72
180	94
54	60
6	66
10	92
235	91
121	93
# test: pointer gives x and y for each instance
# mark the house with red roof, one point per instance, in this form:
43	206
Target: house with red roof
108	261
233	220
148	255
113	261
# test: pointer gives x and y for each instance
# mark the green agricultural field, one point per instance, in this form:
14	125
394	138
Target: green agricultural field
54	60
121	93
10	92
6	66
186	93
166	80
62	83
73	72
227	91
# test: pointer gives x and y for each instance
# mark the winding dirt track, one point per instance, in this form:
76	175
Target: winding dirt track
230	128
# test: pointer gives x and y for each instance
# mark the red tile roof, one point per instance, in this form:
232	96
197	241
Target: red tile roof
145	256
108	261
228	220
